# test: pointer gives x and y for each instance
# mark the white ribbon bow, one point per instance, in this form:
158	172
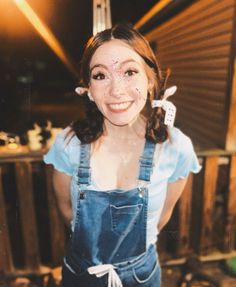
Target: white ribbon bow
167	106
101	270
82	90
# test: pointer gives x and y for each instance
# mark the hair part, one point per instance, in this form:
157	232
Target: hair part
91	128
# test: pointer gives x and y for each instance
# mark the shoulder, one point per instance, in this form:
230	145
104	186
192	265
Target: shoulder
67	140
177	156
178	142
177	146
64	154
177	137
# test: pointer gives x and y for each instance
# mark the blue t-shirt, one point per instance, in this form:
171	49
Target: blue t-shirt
174	159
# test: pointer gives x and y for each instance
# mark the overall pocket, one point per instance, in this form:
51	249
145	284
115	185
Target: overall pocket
148	272
124	218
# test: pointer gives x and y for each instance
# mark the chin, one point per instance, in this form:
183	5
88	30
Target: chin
121	122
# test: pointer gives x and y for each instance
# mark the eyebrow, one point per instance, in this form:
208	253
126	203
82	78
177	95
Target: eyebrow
97	66
105	67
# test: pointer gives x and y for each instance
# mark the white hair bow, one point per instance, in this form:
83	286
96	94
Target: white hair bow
81	90
167	106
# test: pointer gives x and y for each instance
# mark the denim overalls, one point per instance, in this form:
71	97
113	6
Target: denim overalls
108	245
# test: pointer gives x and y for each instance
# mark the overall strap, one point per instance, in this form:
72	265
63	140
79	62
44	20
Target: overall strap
146	161
84	171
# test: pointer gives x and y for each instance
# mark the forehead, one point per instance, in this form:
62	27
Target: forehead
114	52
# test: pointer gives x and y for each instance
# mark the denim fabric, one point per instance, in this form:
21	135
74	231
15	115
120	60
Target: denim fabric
173	159
143	271
110	228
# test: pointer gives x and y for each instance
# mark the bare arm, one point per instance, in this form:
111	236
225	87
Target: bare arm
174	191
61	183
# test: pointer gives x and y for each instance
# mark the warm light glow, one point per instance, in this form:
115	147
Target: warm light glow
154	10
45	33
12	146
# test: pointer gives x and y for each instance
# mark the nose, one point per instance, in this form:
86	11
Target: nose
117	87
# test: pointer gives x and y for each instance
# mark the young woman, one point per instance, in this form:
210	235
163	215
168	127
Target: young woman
120	171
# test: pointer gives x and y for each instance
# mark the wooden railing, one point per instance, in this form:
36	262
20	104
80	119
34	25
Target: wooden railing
204	221
32	233
34	211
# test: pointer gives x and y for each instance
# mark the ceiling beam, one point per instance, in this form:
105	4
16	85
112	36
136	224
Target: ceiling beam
152	12
101	15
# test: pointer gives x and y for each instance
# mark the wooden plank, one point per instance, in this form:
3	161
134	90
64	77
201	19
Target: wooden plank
220	152
231	131
157	8
185	94
198	72
23	172
210	53
196	124
198	40
184	210
214	125
230	219
208	199
196	13
220	63
6	261
202	92
7	155
57	226
221	22
206	98
204	101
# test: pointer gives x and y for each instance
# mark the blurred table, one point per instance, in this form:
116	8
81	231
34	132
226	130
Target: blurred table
20	153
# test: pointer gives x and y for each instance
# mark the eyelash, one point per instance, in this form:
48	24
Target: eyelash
133	72
100	76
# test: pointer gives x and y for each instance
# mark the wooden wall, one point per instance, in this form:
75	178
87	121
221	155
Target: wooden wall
197	46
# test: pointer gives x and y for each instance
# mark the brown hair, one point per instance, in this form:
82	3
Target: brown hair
91	128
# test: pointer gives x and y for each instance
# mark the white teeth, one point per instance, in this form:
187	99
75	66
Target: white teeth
120	106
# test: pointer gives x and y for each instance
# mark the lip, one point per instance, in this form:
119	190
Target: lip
119	107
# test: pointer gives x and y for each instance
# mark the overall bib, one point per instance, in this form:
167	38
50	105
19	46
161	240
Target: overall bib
108	244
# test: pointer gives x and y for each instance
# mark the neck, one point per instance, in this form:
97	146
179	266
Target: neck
136	128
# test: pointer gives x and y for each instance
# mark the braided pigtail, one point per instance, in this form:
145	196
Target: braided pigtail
156	130
90	128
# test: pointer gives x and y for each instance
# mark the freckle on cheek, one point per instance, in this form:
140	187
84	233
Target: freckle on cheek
140	94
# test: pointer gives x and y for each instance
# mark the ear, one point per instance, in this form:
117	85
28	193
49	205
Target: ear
150	85
89	95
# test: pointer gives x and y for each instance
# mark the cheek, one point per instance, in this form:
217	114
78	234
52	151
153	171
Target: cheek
139	88
141	93
99	92
97	86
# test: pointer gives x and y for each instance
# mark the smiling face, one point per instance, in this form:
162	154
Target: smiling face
118	82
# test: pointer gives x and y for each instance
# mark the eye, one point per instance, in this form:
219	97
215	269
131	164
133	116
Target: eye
98	76
131	72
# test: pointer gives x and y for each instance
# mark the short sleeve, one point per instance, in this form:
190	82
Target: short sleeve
58	154
187	160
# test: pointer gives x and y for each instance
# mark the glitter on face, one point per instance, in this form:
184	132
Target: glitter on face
118	83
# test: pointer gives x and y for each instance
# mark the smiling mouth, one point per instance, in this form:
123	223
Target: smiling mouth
119	107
